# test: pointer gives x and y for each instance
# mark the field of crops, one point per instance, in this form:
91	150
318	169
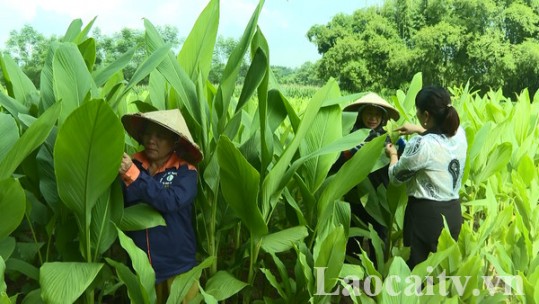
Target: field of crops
271	225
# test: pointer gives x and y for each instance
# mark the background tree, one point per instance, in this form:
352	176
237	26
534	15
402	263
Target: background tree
222	51
492	43
110	48
28	48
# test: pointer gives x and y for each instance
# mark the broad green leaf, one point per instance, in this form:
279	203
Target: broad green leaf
273	281
47	179
149	65
352	270
344	143
393	288
521	117
304	272
283	240
33	297
424	268
526	169
415	86
285	277
141	265
10	133
87	49
471	270
396	196
240	183
255	75
227	85
329	258
65	282
454	260
183	282
343	101
25	268
72	31
320	135
139	217
7	246
103	75
13	106
174	74
223	285
71	79
32	138
157	90
496	160
351	173
23	90
12	204
277	112
260	66
87	155
134	289
197	50
84	32
272	186
208	298
291	113
479	143
46	80
495	112
107	212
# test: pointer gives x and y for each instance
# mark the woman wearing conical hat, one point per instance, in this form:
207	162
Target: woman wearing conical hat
163	175
373	113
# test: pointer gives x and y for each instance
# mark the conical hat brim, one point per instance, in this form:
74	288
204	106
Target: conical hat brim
169	119
373	99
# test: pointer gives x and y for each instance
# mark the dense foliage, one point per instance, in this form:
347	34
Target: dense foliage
28	48
271	225
492	43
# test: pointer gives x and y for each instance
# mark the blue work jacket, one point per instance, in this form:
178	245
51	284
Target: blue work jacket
171	191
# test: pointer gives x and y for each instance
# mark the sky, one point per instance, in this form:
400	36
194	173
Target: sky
284	22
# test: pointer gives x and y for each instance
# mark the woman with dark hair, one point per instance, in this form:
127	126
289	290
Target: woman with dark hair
432	166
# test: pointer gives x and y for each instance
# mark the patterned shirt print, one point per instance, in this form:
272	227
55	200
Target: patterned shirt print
432	166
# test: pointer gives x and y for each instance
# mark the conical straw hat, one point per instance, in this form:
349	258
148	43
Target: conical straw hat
374	100
170	119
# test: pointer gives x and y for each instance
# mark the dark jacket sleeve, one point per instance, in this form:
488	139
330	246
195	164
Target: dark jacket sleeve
182	191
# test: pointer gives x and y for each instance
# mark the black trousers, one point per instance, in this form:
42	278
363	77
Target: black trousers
423	224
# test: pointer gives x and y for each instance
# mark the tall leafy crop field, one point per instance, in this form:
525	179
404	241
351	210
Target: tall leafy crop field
271	225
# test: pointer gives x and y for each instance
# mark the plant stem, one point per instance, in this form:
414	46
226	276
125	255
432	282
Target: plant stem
255	247
34	236
212	246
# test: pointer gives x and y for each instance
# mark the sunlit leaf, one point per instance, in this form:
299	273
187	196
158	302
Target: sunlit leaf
65	282
284	239
223	285
12	204
235	170
87	155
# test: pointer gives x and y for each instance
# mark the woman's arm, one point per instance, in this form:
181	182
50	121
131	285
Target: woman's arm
409	128
181	190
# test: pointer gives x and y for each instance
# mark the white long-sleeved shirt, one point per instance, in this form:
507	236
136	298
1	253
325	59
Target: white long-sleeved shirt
432	166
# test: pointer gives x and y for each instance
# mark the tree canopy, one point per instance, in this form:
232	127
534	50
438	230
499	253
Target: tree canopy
491	43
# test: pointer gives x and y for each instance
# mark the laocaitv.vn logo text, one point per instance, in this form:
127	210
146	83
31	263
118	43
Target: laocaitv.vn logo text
414	285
